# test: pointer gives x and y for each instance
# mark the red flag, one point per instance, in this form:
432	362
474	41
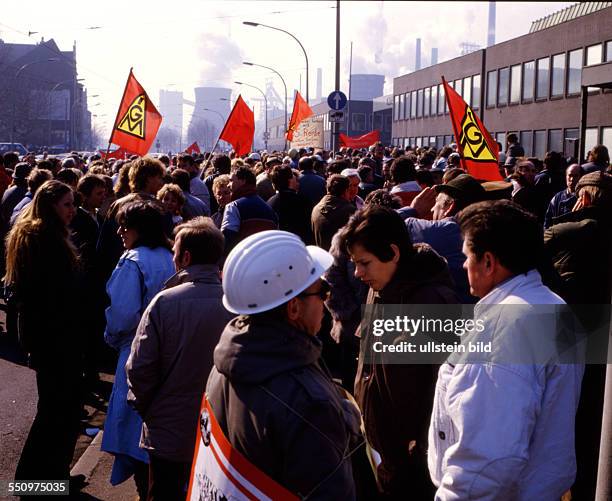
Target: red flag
193	148
239	128
119	153
361	141
479	153
301	110
137	120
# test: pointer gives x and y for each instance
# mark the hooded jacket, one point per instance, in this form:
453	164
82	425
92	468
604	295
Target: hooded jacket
328	216
396	400
278	406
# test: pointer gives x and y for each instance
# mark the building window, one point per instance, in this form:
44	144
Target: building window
606	137
434	100
555	140
491	88
502	94
395	108
458	86
441	99
419	112
526	139
407	105
378	121
543	77
467	90
594	54
476	92
427	102
515	84
387	119
528	80
419	141
413	103
439	142
539	144
608	52
358	121
401	114
500	137
574	72
590	140
558	75
569	141
448	140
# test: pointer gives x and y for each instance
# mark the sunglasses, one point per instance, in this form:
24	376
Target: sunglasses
323	292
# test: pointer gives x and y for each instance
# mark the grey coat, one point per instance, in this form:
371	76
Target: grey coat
171	357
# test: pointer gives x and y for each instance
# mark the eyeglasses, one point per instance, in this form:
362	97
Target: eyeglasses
323	292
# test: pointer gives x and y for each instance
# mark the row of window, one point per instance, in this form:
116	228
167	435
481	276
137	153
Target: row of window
553	76
535	142
431	100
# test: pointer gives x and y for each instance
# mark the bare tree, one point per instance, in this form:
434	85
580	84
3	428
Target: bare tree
204	132
169	139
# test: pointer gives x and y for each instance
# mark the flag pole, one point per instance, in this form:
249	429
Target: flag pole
455	131
117	117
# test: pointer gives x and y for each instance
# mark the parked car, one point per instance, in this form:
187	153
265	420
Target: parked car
16	147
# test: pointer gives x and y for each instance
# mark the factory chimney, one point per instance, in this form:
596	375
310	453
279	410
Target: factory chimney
417	60
491	30
434	56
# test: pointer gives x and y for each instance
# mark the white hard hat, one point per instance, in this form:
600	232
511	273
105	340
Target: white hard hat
268	269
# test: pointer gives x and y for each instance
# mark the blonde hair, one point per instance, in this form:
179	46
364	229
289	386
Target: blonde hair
38	217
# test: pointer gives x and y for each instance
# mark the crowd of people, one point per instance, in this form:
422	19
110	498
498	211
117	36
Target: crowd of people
243	279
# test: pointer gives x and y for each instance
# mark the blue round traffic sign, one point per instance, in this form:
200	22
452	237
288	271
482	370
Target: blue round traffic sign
337	100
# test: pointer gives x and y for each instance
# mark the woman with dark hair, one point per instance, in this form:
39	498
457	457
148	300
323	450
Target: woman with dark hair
41	277
140	274
396	400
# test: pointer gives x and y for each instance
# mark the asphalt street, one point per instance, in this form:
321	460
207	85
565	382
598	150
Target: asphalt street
18	399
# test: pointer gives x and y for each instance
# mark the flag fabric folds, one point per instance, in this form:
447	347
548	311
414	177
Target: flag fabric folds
479	152
193	148
239	128
119	154
137	120
301	110
363	141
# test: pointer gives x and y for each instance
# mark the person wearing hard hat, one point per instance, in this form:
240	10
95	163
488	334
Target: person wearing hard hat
269	393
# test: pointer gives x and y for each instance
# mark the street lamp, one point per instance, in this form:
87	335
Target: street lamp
266	109
48	60
284	85
250	23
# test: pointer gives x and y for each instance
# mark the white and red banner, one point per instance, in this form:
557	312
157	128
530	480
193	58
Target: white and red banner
221	472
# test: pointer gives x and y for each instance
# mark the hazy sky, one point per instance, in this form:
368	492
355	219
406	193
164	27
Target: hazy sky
182	44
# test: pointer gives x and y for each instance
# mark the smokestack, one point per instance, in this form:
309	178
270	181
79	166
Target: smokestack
417	61
434	56
319	84
491	30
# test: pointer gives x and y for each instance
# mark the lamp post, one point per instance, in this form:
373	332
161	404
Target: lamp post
250	23
284	85
265	109
48	60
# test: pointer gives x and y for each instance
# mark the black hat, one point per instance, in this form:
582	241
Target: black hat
463	188
22	170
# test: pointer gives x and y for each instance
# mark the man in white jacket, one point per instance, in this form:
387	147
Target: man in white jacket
502	428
